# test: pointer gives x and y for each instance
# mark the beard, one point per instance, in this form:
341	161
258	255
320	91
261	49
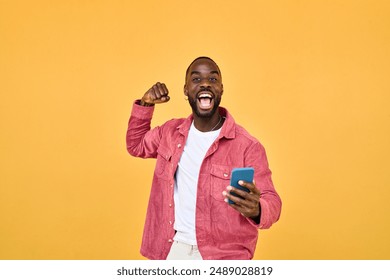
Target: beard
205	115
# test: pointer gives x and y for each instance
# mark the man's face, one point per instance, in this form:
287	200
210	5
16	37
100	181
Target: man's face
204	87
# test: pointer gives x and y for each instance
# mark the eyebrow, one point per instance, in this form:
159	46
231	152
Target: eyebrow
212	72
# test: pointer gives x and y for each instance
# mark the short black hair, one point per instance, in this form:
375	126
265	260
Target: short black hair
201	57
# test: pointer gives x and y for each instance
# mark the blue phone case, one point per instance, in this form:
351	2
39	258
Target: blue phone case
245	174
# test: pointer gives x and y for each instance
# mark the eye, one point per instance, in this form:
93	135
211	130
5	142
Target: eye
196	79
213	80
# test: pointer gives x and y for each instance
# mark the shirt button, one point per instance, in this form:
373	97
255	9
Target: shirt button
179	145
170	222
170	240
170	205
225	174
171	185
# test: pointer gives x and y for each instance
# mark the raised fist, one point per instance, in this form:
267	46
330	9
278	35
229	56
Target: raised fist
157	94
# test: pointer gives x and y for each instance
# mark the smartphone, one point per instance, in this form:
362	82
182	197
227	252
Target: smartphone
245	174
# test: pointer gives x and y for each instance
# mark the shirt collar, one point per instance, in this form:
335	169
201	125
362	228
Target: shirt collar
228	128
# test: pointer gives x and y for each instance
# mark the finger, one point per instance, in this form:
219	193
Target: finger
163	99
228	197
247	204
236	207
244	211
243	207
165	89
245	195
255	195
160	89
240	202
250	186
156	91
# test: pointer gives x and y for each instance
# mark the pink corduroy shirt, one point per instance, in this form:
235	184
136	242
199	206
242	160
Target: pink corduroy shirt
221	231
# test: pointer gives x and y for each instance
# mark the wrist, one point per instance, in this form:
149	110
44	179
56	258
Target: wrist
256	218
143	103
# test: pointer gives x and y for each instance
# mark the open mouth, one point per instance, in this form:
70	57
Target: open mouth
205	100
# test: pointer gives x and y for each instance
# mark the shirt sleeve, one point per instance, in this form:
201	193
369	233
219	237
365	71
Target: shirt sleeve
270	202
141	140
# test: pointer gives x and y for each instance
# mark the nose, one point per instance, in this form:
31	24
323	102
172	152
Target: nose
205	83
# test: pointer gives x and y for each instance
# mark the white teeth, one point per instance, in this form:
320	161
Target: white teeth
205	95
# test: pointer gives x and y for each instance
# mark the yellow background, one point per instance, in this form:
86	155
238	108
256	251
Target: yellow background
309	79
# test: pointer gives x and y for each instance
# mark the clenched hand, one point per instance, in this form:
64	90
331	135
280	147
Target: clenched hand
157	94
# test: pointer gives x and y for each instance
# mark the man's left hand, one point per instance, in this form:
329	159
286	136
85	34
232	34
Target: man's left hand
248	205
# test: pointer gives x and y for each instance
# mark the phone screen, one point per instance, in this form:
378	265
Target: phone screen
245	174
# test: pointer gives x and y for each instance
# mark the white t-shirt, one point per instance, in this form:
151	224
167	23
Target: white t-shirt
186	183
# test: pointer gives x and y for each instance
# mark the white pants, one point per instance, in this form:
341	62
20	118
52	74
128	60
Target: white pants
182	251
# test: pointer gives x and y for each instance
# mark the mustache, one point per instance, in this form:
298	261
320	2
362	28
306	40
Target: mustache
205	90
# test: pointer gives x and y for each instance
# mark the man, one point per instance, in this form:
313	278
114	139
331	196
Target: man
189	216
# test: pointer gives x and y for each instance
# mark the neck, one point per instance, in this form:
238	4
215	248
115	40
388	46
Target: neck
208	124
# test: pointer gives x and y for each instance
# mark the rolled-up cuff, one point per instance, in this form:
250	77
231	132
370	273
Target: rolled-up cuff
142	112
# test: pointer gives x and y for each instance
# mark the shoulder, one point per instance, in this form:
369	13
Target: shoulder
238	132
243	136
172	125
233	130
243	133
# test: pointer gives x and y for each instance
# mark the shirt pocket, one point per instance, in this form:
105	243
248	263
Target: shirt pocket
164	155
220	179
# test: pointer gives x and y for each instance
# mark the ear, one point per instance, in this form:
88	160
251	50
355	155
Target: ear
221	89
185	90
